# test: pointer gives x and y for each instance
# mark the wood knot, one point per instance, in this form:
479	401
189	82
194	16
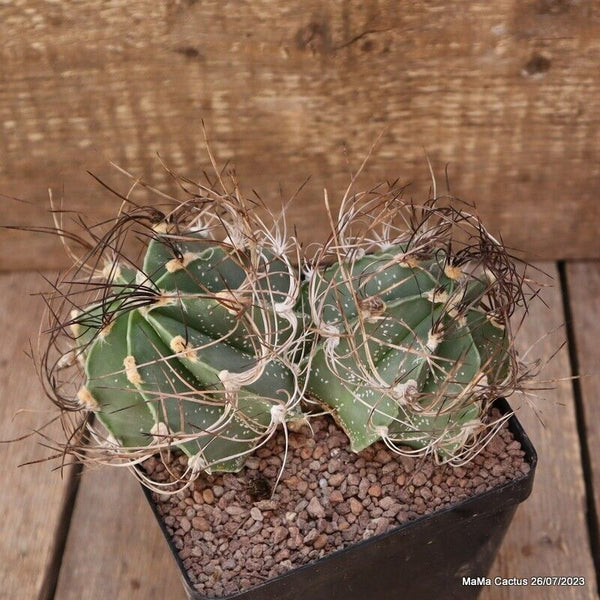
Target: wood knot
188	51
537	66
315	36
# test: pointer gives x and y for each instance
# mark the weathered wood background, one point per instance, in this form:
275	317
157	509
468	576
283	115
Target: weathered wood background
506	92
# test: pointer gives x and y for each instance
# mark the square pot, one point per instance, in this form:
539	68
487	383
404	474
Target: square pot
422	559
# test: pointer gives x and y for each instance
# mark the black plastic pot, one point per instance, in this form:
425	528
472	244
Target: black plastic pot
423	559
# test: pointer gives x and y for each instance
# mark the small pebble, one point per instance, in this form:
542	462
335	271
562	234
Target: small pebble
235	511
419	479
336	497
386	503
355	506
200	524
315	509
336	479
374	490
185	524
256	513
279	534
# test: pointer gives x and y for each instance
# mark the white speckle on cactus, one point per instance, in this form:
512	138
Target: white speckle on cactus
86	400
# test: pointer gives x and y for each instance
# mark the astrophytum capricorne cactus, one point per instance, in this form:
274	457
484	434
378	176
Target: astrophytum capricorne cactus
412	306
193	347
207	341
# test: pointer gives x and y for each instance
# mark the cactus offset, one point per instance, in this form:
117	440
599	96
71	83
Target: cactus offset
194	348
414	335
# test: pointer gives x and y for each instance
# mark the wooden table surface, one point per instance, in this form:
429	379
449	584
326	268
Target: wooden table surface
90	535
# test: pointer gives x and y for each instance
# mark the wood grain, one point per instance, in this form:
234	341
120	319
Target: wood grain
548	535
506	92
31	502
584	294
115	548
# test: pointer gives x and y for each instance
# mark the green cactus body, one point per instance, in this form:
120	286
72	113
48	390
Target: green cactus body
398	358
197	362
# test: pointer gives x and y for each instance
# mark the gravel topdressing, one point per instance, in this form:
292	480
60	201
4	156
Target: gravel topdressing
231	533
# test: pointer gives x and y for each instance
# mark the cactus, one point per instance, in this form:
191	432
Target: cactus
401	330
414	337
194	347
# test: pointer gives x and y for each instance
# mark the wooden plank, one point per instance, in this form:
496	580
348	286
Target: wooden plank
507	93
584	294
115	548
549	535
32	502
